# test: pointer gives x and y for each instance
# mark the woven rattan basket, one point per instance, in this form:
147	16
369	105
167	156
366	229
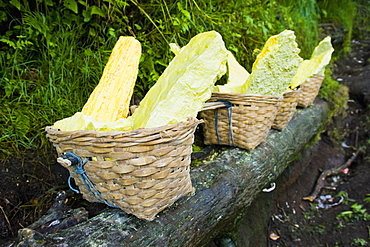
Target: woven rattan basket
141	171
309	90
287	109
245	123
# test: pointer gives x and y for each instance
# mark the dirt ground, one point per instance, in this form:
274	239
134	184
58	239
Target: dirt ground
28	187
298	222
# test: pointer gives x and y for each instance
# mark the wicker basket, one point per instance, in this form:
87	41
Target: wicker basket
141	171
286	109
309	90
245	123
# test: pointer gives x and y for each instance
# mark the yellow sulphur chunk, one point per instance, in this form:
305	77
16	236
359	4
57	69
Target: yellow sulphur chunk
80	121
186	83
110	99
237	76
320	58
275	66
175	48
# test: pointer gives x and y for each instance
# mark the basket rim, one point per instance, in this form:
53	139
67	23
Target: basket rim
191	121
294	91
248	95
239	99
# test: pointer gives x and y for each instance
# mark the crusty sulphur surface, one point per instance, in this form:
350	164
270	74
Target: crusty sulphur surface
186	83
320	58
275	66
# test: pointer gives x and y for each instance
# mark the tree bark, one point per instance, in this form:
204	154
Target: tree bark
224	186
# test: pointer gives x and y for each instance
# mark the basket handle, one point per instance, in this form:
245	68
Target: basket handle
71	159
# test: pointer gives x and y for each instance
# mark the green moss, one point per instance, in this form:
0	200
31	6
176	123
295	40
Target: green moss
337	96
334	93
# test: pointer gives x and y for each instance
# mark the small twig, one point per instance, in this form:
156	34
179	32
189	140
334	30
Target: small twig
321	180
6	218
329	187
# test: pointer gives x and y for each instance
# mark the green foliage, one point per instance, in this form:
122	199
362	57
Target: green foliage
337	96
244	25
340	13
53	52
359	242
319	229
196	148
334	92
362	20
50	62
367	199
304	17
356	213
346	199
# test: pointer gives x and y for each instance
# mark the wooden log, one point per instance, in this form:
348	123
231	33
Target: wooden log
224	186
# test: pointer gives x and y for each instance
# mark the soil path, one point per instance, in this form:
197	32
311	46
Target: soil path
297	222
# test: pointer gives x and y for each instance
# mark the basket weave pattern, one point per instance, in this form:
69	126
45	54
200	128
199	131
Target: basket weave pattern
309	90
141	171
286	109
251	119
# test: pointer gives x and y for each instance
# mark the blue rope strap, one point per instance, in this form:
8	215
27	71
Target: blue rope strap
78	164
229	106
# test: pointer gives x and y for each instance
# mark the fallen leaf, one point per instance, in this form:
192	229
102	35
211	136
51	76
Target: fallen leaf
273	236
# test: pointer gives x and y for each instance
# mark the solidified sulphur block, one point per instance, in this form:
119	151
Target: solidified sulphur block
237	76
275	66
186	83
320	57
110	100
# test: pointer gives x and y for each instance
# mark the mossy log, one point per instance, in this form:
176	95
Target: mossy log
224	186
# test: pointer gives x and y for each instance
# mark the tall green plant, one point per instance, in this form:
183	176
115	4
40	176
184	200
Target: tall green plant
361	27
52	58
304	15
340	13
244	25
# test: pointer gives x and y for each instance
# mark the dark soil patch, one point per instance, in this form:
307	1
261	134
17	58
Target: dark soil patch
28	188
26	191
298	222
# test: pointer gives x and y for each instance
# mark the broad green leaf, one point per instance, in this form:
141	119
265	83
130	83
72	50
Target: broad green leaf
2	4
16	4
96	11
72	5
82	2
86	15
49	2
